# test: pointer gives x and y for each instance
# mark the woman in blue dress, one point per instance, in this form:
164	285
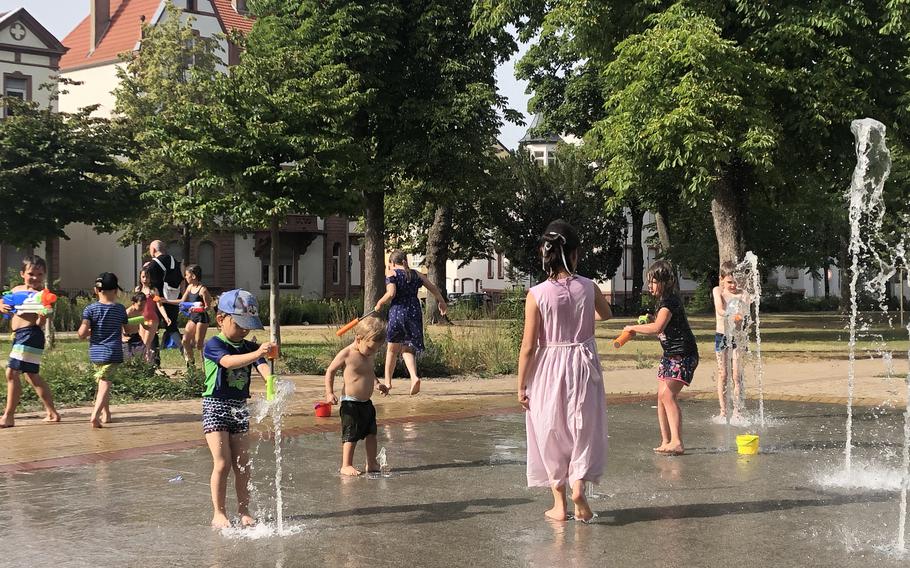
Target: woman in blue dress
405	332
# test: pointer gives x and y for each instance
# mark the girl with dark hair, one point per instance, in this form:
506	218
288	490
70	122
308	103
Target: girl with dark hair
198	324
560	381
405	330
148	331
677	366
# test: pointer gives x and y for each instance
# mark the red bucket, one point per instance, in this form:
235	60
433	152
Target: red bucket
323	409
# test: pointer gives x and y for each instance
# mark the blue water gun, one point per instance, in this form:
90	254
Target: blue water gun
30	302
187	308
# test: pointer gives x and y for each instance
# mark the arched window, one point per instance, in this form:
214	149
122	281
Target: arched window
478	285
455	283
206	256
466	283
336	263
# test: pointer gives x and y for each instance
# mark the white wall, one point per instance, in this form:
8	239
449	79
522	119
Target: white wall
248	268
311	270
97	86
87	254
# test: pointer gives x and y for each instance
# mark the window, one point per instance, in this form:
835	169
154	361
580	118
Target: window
190	5
16	88
627	263
539	157
455	283
240	6
206	257
499	265
336	263
489	268
285	267
478	286
465	284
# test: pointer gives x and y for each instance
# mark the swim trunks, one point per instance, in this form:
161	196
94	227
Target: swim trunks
358	420
677	368
28	346
225	415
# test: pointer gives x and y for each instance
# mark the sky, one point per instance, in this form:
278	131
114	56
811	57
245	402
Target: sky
61	16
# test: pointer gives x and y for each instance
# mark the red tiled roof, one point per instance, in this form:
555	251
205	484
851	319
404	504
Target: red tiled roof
121	35
123	32
229	17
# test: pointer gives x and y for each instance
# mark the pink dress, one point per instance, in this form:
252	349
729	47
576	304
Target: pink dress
567	419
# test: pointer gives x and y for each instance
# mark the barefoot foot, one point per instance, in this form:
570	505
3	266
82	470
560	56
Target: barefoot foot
349	470
95	423
661	447
583	510
246	520
105	416
415	386
52	417
556	514
220	521
676	450
7	422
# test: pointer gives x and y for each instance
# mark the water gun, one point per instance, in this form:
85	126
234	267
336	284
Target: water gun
735	308
187	308
270	387
625	336
348	326
136	320
30	302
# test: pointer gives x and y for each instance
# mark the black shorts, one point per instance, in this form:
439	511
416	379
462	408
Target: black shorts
199	317
358	420
225	415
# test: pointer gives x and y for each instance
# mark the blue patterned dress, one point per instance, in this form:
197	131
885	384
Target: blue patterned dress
405	314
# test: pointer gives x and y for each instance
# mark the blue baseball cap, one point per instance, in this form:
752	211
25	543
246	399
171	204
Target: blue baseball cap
242	307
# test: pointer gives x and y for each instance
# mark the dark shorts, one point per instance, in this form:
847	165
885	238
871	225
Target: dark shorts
677	368
225	415
28	346
720	342
358	420
200	317
133	347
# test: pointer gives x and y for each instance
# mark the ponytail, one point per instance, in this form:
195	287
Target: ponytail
557	244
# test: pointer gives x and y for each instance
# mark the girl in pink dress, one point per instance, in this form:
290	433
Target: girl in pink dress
560	383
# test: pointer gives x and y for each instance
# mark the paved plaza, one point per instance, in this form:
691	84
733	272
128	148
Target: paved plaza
456	496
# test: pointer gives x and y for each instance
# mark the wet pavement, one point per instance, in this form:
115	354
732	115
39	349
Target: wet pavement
456	497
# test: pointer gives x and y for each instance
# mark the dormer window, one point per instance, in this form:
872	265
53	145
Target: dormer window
190	5
240	6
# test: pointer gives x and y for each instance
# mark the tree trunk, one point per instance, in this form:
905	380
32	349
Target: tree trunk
438	240
825	268
727	210
373	249
49	250
187	237
638	259
662	223
274	290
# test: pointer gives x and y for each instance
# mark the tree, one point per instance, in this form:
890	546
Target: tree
532	196
173	71
738	101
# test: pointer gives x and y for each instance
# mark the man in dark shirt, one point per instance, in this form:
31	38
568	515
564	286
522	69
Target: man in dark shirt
163	268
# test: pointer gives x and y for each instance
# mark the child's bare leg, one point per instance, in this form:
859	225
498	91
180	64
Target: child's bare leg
662	417
101	403
189	343
737	383
220	446
583	510
201	329
241	464
369	444
149	338
722	381
674	416
13	393
410	362
44	394
347	459
391	359
558	512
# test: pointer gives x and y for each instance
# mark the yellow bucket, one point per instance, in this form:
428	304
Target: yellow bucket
747	444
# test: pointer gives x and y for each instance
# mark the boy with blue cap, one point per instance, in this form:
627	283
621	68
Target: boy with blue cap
229	361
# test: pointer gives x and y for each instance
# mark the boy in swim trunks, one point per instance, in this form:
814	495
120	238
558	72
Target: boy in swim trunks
103	324
28	346
729	301
228	360
358	417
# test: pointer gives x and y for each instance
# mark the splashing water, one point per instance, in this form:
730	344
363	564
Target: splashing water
261	409
383	461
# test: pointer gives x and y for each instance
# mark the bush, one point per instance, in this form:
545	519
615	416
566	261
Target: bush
701	302
72	381
295	310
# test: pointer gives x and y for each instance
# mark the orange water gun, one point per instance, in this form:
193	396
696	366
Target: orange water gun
350	325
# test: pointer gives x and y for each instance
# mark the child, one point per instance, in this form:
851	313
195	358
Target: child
728	298
358	417
149	331
133	344
228	359
680	358
28	345
560	382
198	323
103	324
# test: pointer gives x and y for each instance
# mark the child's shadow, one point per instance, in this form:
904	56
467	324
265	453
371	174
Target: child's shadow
426	512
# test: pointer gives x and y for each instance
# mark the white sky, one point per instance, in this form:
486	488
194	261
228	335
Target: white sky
61	16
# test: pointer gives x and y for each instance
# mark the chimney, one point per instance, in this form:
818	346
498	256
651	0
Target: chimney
99	19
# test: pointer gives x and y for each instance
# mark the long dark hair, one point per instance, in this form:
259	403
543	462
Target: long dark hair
557	243
663	273
401	258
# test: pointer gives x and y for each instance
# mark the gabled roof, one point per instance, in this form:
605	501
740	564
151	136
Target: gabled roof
46	37
123	33
531	137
